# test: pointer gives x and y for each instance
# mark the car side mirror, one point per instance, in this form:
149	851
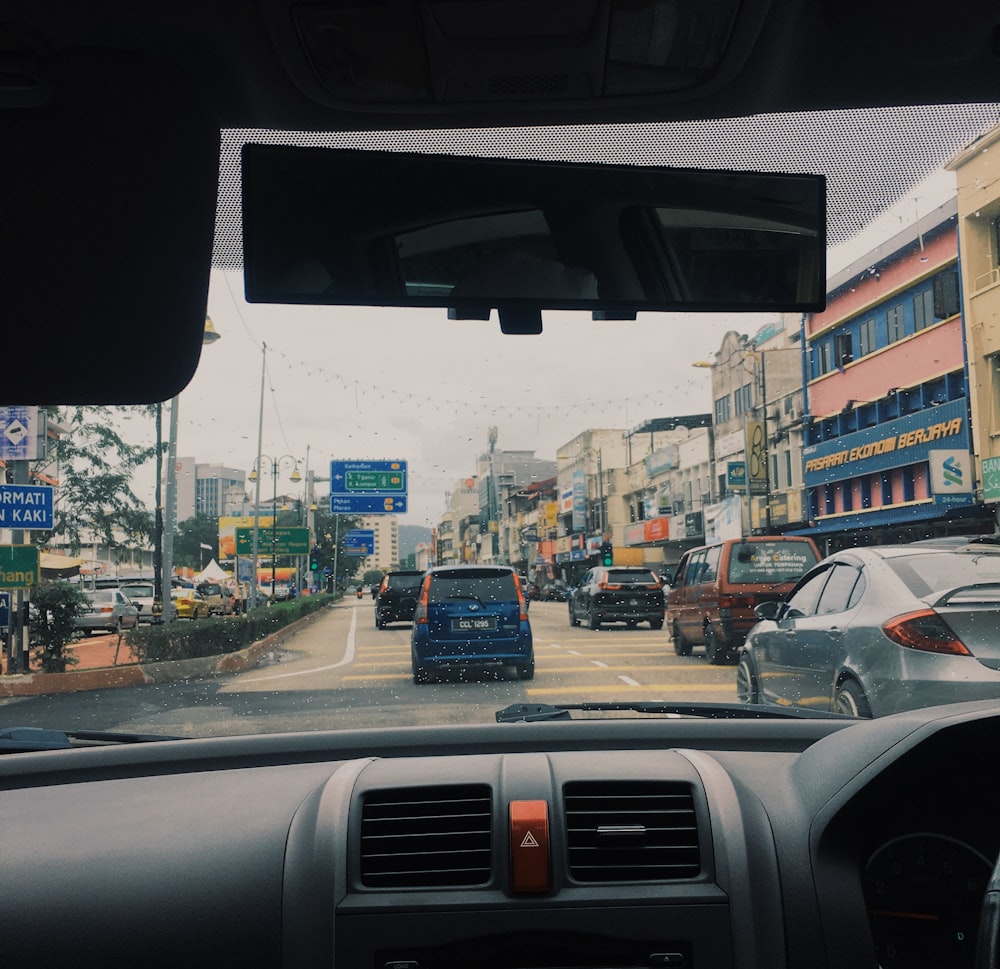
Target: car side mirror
768	610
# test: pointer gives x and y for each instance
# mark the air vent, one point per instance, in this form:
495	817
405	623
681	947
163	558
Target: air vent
426	837
625	831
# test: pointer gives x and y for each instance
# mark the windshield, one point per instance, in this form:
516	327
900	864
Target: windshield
319	448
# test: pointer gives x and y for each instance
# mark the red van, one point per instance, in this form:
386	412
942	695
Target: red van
716	587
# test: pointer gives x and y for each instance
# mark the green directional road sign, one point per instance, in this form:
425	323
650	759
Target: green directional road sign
374	481
287	540
19	567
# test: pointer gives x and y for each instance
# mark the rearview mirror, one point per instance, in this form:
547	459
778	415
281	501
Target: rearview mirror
333	226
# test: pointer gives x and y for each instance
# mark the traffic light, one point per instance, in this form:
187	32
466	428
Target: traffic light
607	554
314	558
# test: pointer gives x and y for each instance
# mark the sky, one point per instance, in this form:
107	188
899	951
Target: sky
359	383
349	383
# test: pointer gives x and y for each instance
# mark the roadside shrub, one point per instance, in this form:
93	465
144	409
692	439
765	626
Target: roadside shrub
56	605
191	639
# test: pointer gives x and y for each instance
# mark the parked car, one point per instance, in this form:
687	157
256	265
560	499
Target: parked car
617	593
107	610
471	617
190	603
396	596
146	599
218	597
871	631
716	588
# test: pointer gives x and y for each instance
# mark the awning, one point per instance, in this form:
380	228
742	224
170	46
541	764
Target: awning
882	517
60	566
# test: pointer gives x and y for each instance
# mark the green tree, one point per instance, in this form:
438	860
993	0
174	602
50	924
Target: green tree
329	532
52	629
191	535
94	465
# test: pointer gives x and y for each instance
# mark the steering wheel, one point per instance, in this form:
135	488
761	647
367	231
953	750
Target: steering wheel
988	940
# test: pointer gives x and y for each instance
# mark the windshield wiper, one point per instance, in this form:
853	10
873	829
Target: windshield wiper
529	712
19	739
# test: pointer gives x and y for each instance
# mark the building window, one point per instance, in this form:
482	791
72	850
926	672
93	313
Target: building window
824	354
946	294
722	413
788	467
923	309
895	321
843	350
866	337
742	399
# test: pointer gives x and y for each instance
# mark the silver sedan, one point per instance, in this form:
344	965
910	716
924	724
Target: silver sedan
873	631
107	609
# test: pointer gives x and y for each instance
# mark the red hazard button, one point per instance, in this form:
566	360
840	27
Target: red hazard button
529	846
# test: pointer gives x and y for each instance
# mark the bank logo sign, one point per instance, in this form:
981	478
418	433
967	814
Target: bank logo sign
951	472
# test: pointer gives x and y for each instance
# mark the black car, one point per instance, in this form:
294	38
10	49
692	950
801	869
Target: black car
617	594
396	598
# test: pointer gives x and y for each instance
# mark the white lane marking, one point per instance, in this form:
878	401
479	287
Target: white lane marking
628	681
597	662
347	658
573	652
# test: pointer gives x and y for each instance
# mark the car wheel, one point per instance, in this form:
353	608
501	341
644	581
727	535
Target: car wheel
573	621
681	646
527	671
420	673
851	700
379	622
746	681
656	623
593	622
717	656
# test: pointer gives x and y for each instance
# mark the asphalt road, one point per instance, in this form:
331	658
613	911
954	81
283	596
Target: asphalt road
341	672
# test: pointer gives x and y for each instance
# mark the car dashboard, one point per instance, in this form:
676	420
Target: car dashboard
614	843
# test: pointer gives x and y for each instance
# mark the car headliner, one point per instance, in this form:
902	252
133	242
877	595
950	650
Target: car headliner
111	106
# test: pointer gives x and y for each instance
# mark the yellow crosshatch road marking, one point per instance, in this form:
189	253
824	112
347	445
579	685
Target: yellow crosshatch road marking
620	687
540	669
372	664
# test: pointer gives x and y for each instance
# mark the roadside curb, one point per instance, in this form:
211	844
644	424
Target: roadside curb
116	677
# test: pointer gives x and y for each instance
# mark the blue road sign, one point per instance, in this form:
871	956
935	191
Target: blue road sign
26	506
360	541
367	477
4	610
367	504
18	433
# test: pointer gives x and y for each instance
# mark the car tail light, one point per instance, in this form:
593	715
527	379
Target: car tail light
420	615
384	586
926	631
522	608
106	609
608	586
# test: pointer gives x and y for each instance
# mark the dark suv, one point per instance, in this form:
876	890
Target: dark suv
617	594
396	597
468	617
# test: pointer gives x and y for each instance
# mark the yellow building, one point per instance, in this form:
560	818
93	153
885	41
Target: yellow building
977	171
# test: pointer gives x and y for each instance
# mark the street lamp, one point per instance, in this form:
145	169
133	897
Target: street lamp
275	467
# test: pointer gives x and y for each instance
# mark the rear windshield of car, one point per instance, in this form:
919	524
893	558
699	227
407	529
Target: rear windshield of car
927	574
102	595
486	585
137	591
760	562
632	575
405	583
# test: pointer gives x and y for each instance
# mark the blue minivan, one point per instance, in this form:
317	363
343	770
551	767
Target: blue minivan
471	616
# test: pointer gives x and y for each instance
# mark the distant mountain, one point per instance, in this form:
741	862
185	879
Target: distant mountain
410	536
